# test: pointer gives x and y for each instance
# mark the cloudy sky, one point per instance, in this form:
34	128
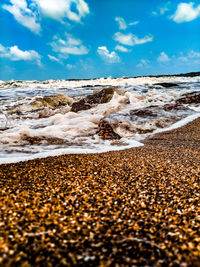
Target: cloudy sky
63	39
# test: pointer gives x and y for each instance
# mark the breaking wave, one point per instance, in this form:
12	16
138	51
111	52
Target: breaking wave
39	119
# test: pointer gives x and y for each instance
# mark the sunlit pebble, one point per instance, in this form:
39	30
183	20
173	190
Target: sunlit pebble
143	205
6	249
11	252
87	258
5	255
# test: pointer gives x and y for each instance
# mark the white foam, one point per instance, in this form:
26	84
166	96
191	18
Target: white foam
106	147
77	130
197	109
119	82
102	147
179	124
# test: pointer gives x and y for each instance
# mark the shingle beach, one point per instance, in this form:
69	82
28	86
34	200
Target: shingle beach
136	207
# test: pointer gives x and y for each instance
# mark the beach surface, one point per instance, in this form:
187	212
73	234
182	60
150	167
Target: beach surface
136	207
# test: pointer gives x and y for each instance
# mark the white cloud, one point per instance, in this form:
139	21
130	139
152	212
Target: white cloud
69	66
163	57
121	48
122	23
182	58
126	39
15	54
133	23
155	13
111	57
193	54
143	63
52	58
60	9
162	9
71	46
29	15
2	49
130	39
23	15
191	57
146	39
186	12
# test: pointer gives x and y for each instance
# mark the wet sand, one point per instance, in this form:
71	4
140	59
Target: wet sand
138	207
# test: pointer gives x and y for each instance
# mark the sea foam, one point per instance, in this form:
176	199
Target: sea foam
33	125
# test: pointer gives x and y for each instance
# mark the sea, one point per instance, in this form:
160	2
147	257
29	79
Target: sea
36	120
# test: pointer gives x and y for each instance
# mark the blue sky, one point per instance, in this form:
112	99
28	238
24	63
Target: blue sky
67	39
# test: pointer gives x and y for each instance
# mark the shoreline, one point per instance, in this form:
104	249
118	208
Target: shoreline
138	206
137	143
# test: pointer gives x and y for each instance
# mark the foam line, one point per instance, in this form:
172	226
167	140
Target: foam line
179	124
57	152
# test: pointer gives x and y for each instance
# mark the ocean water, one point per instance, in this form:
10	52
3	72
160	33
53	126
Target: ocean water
36	118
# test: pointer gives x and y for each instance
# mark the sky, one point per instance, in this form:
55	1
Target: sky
83	39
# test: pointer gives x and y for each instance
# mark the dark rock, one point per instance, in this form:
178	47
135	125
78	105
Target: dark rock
52	100
90	101
39	140
80	105
166	85
189	98
153	111
144	112
169	107
144	131
106	132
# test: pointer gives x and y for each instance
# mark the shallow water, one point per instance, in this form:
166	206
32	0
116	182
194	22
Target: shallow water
36	118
